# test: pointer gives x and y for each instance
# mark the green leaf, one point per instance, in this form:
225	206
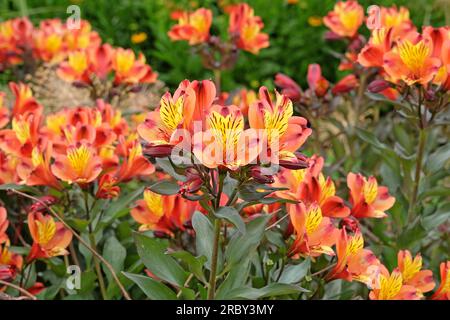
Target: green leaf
19	187
232	215
165	187
295	273
441	216
116	207
254	191
194	264
155	290
204	236
168	168
115	253
438	159
241	245
237	276
152	253
271	290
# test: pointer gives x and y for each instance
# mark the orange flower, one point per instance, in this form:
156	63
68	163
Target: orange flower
368	199
48	41
36	172
243	99
107	187
130	70
162	213
354	262
3	225
245	28
443	292
4	111
391	287
79	165
372	55
411	61
411	272
440	38
225	143
323	192
25	102
10	263
396	19
281	129
134	163
345	19
192	26
22	137
315	234
160	124
75	68
316	82
50	238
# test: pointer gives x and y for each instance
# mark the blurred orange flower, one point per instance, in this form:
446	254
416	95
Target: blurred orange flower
192	26
345	19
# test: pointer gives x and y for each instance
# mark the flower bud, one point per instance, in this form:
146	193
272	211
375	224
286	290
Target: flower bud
260	177
157	151
378	86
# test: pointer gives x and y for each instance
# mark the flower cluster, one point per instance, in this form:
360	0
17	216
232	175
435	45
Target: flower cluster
78	145
52	41
244	27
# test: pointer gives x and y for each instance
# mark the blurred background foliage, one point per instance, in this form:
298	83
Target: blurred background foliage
295	29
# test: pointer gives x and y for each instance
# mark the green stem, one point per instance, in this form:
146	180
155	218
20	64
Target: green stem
98	270
214	258
217	80
420	154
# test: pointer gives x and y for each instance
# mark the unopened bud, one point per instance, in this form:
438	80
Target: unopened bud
378	86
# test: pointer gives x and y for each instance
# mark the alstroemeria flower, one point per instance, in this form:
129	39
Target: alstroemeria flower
23	135
315	234
173	113
323	192
25	103
412	61
411	271
440	38
134	163
3	225
50	238
10	263
107	187
368	199
443	292
130	70
79	165
292	179
282	130
245	29
354	262
391	287
345	19
380	42
316	82
162	213
192	26
36	171
225	142
396	19
4	111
